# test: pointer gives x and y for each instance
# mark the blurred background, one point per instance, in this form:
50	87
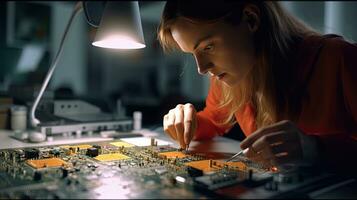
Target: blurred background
146	80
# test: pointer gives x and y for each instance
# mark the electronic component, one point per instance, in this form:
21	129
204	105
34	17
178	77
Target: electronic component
37	176
48	162
234	165
205	165
174	154
31	153
122	144
111	157
82	146
193	172
160	171
92	152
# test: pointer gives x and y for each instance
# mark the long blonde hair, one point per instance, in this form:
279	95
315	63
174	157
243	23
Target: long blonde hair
266	86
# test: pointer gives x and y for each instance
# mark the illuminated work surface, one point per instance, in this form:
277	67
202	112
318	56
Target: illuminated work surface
127	172
218	144
105	169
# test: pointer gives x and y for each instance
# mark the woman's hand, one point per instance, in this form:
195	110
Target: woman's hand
280	144
181	123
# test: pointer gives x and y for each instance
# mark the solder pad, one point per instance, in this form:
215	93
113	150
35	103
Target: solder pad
173	154
48	162
111	157
122	144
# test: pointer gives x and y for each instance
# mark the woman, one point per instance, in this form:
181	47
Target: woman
292	90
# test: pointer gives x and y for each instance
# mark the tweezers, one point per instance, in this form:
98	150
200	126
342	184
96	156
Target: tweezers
241	152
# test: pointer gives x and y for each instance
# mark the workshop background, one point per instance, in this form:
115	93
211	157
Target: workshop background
146	80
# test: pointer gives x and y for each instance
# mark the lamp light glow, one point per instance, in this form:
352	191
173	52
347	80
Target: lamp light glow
118	42
120	26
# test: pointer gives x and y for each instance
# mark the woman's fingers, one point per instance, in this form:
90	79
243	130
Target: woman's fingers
279	126
274	139
169	127
276	148
179	128
189	123
180	124
256	156
166	128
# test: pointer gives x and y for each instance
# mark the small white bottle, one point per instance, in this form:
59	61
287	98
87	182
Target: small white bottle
137	116
18	118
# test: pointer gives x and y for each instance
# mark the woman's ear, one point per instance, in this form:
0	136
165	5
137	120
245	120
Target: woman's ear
251	15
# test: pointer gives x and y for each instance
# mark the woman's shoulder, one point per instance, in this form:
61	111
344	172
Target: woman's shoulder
327	52
328	47
333	44
338	42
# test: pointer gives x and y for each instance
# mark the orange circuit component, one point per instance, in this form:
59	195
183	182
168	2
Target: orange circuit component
48	162
204	165
173	154
213	165
232	165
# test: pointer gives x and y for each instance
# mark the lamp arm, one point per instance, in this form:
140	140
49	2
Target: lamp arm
34	121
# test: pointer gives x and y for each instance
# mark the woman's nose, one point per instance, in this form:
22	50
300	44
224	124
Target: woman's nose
203	66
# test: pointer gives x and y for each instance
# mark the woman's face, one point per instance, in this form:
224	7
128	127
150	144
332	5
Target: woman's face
220	49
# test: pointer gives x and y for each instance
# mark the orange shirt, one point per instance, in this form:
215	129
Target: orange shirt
327	65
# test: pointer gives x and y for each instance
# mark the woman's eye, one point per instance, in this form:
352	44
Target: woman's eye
208	47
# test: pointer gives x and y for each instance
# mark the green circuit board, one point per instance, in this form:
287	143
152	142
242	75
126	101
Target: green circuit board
116	169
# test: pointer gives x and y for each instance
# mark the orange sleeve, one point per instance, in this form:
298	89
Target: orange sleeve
208	119
339	150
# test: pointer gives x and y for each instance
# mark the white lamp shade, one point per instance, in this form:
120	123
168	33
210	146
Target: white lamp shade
120	26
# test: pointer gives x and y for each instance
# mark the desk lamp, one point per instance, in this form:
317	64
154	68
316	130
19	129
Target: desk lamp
119	27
